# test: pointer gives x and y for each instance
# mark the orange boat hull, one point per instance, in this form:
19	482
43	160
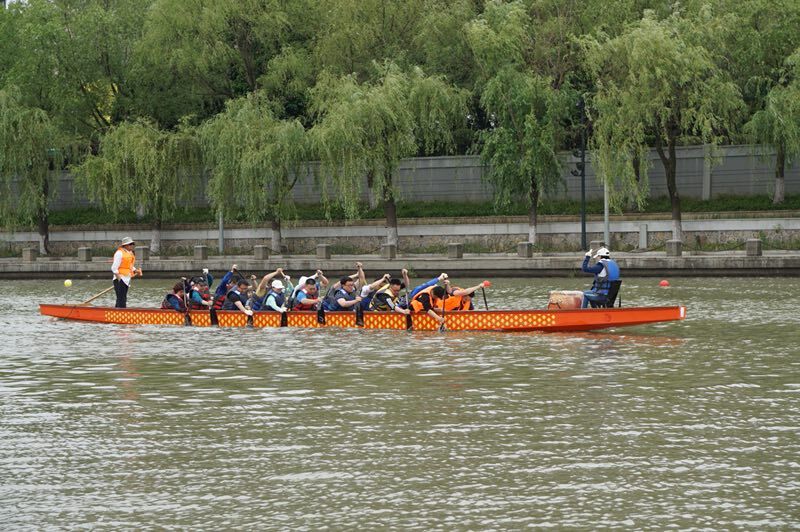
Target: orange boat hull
474	320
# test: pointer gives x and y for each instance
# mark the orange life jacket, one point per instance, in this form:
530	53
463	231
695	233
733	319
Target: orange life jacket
126	267
455	303
417	306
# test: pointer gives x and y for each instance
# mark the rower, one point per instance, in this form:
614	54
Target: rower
605	271
461	298
307	298
429	300
344	298
260	295
427	284
386	298
318	280
227	284
276	298
200	293
368	291
176	300
236	298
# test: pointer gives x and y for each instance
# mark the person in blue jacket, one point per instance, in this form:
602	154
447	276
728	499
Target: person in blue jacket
605	271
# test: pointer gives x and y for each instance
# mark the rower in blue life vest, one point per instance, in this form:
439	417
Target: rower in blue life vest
605	271
276	297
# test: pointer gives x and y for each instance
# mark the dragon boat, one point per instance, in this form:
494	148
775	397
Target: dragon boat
551	320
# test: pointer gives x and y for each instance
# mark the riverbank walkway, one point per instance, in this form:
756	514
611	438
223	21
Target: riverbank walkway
633	264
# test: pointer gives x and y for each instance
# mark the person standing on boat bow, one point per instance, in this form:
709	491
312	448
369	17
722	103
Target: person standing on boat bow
124	269
605	271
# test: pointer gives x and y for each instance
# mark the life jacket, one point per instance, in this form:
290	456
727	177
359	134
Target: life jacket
332	303
228	305
456	303
603	282
204	293
165	304
126	267
219	302
280	299
416	304
379	303
302	305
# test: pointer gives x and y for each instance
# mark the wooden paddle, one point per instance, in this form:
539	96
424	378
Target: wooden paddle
484	284
442	328
104	292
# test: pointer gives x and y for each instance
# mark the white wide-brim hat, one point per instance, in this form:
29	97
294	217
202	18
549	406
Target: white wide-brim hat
127	240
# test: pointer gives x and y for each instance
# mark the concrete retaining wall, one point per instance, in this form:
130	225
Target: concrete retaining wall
419	235
736	170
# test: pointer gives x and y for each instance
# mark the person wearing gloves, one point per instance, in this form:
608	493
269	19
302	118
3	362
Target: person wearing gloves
605	271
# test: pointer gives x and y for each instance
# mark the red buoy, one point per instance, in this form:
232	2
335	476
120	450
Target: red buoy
664	283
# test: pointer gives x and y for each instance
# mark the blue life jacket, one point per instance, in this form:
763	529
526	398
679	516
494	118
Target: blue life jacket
333	303
602	284
280	299
257	303
230	305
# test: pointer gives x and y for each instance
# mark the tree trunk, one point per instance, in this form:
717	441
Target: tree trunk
533	211
371	196
390	211
780	181
43	225
155	239
670	168
276	236
43	221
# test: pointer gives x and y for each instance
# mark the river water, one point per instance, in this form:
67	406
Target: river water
690	425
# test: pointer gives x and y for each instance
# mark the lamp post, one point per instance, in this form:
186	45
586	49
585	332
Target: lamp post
581	169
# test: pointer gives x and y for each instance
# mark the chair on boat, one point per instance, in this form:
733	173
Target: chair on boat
613	291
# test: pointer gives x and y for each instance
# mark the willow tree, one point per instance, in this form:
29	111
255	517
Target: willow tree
140	166
655	85
777	126
255	160
363	130
32	152
526	113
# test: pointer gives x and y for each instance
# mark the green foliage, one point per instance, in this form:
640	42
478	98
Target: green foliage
778	123
254	158
140	166
526	113
365	129
32	150
654	86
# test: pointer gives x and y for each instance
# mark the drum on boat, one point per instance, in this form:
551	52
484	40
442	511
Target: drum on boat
564	299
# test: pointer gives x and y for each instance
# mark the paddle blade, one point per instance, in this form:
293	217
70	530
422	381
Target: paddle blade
321	316
284	319
409	323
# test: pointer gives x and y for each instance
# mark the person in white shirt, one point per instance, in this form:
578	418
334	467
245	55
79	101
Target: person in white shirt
124	269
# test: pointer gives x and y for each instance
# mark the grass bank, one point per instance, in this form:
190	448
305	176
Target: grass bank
96	216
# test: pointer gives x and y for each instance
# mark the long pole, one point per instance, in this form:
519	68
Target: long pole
606	232
582	105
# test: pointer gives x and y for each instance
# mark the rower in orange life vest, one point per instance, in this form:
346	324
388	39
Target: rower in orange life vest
461	298
605	271
429	300
124	269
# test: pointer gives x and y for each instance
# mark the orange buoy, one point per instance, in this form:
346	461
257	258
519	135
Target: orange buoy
664	283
